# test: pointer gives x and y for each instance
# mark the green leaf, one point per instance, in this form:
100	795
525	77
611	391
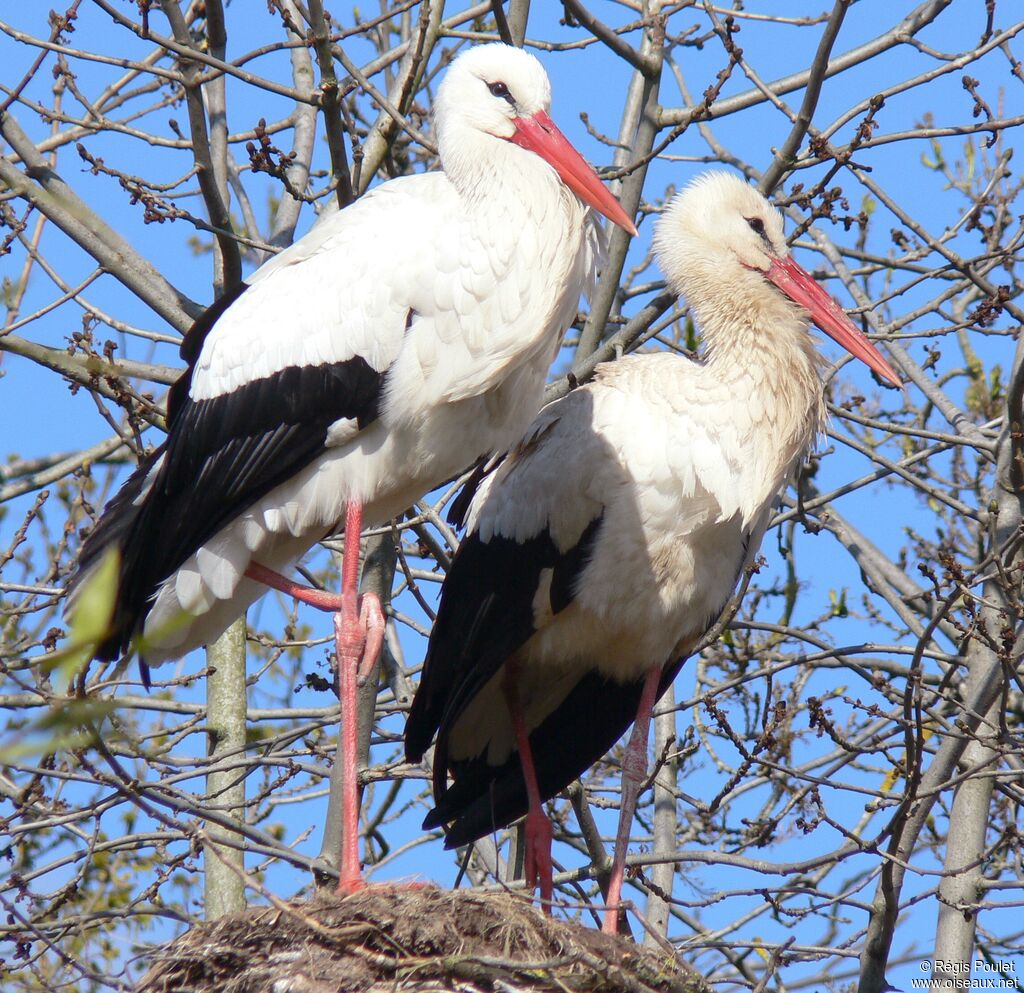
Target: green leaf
837	601
690	333
90	622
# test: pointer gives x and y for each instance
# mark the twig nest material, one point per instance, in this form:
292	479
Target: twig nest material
404	939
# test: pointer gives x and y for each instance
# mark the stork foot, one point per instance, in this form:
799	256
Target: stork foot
537	864
359	628
371	620
359	634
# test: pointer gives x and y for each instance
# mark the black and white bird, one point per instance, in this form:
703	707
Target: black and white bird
400	340
607	542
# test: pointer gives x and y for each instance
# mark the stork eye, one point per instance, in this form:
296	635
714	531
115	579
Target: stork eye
756	225
500	90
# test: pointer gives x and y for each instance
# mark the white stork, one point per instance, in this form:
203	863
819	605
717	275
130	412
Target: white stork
600	550
400	340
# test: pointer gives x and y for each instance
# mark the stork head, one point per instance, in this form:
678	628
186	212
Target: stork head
721	239
497	92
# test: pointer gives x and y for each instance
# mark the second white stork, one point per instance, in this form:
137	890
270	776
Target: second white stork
400	340
607	542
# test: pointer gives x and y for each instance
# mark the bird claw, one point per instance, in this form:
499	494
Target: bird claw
374	625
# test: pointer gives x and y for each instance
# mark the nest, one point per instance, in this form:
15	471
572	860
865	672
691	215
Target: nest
404	939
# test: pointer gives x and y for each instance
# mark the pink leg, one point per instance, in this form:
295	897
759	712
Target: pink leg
371	614
352	635
359	634
634	768
320	599
538	828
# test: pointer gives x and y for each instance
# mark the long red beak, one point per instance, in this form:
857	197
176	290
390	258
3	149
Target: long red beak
798	284
539	134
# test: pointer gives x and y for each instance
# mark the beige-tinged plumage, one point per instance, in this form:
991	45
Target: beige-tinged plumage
602	548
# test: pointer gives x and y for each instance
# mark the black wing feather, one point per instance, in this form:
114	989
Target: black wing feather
486	614
482	619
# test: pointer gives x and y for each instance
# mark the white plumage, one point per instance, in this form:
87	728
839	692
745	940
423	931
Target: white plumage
634	504
653	455
401	339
